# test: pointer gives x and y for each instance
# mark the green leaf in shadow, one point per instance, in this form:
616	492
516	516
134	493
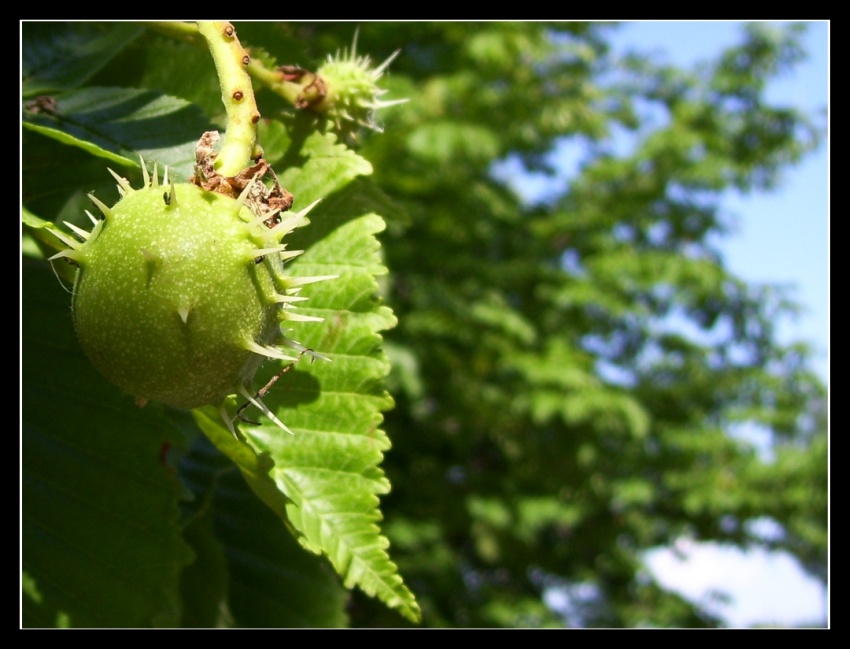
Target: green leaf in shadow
101	543
119	124
268	580
63	55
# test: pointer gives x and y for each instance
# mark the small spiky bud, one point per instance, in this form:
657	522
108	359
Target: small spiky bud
351	91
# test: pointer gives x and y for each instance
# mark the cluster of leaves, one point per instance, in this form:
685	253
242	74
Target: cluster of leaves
139	517
569	374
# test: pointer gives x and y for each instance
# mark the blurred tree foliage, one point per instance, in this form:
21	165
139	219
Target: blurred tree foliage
568	374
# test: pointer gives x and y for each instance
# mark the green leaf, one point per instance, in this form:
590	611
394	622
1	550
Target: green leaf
330	468
64	55
89	147
31	220
120	124
183	71
264	578
101	544
254	467
327	168
203	584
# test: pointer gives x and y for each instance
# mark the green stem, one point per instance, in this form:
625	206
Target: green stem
302	91
298	93
181	31
237	94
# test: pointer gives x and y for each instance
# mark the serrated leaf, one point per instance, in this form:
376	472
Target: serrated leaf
101	544
318	166
330	468
328	473
119	124
63	55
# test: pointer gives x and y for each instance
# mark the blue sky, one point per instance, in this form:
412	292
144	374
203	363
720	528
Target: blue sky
780	238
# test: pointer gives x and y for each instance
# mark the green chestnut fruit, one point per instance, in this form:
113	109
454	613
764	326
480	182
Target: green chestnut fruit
181	292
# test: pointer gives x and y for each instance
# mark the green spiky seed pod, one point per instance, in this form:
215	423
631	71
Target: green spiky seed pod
181	292
351	91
